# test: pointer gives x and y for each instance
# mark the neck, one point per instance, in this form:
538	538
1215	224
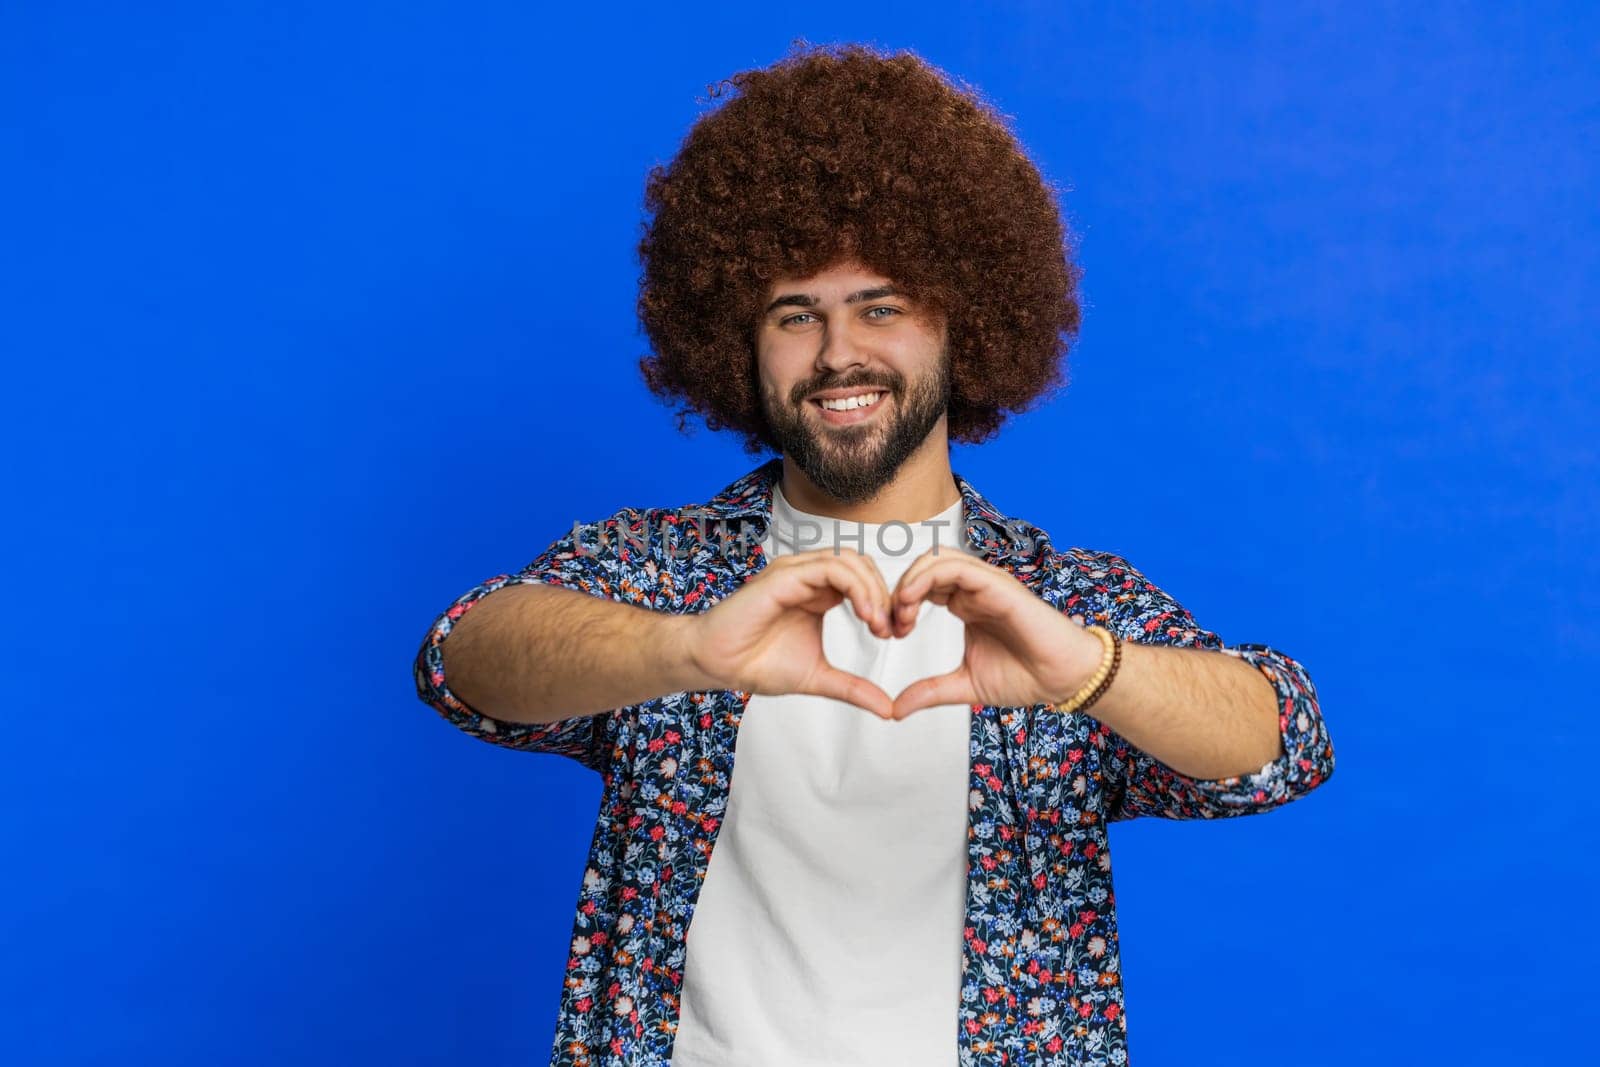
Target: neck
923	487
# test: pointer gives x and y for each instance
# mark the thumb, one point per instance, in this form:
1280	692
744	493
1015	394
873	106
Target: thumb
954	687
852	689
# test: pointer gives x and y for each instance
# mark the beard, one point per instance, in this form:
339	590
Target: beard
852	463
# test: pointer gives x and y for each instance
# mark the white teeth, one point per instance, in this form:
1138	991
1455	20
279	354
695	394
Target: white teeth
850	403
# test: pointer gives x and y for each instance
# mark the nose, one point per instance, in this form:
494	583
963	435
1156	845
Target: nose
839	352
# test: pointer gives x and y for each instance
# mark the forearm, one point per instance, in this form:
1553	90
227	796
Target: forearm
538	653
1203	713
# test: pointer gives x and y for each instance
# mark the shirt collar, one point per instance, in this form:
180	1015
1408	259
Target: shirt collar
989	530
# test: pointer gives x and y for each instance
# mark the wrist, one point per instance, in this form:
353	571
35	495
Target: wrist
1101	661
672	651
1080	656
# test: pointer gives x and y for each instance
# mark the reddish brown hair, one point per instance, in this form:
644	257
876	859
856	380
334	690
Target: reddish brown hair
844	153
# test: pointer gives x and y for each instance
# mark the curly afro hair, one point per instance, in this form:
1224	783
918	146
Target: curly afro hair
843	153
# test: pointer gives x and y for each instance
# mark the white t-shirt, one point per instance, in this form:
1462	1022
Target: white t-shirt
828	930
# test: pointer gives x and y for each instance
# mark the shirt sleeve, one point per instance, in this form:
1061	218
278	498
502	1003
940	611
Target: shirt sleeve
1137	610
609	559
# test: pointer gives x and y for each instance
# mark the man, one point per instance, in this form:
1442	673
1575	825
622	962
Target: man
937	711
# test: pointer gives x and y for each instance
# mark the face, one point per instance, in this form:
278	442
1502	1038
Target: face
845	334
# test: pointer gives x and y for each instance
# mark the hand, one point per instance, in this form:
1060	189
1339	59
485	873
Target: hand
766	637
1019	649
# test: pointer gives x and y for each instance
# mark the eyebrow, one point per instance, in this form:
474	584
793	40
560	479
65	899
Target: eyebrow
805	300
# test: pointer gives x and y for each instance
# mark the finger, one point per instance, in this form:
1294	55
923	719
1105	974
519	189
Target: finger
879	588
880	595
877	618
872	604
800	585
918	565
922	565
941	581
954	687
872	608
827	571
903	611
829	681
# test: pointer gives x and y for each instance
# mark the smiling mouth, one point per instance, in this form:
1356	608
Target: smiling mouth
846	405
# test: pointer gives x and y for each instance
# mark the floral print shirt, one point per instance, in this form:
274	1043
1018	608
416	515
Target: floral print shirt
1041	980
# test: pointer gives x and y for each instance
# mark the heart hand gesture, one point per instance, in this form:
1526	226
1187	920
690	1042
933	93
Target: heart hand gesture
767	637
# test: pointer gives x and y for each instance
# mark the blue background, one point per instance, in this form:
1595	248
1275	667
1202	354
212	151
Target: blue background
304	311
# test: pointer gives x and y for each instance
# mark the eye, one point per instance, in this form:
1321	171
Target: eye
883	307
790	318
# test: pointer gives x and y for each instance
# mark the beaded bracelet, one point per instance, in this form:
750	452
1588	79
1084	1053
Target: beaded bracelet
1100	681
